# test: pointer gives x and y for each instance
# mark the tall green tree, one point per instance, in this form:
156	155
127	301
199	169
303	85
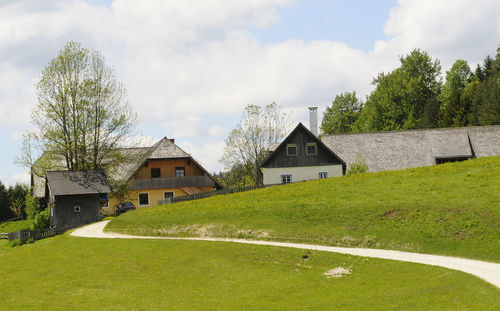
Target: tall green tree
82	115
342	115
5	212
246	145
455	107
404	98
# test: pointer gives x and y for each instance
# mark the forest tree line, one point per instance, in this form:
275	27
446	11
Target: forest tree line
414	96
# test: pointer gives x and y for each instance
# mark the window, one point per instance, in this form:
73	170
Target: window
76	209
179	172
155	172
103	200
311	149
291	150
144	199
168	194
286	179
323	175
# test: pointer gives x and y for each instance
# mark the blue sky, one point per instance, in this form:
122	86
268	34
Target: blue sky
191	66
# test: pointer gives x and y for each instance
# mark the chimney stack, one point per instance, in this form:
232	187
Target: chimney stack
313	120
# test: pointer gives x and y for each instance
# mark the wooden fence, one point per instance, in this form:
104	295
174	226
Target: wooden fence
4	235
202	195
26	234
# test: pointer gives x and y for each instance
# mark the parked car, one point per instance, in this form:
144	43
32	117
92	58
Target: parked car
123	207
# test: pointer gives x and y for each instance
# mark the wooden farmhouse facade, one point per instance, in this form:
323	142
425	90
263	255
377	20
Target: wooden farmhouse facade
153	175
300	156
160	172
76	197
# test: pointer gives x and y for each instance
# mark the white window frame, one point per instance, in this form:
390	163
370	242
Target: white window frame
286	176
139	199
77	209
322	175
315	149
173	194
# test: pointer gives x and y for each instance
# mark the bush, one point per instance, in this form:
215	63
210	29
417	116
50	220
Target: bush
42	220
359	166
32	206
15	243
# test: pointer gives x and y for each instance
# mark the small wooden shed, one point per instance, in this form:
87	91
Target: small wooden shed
76	197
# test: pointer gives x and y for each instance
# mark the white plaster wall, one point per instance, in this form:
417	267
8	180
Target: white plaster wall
273	175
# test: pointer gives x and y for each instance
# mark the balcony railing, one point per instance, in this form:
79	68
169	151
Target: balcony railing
172	182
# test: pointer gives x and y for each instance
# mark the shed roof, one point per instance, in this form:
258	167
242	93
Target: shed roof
77	182
404	149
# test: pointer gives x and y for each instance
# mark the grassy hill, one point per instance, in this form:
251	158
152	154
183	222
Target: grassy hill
66	273
451	209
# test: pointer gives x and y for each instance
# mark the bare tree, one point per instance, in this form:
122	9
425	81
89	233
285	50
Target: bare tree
247	144
82	114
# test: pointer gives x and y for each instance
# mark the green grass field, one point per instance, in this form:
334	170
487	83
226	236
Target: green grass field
65	273
451	209
11	226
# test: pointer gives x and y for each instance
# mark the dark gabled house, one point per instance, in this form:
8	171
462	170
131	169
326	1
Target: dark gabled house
300	156
76	197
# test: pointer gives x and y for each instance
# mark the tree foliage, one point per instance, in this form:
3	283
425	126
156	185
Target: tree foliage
412	96
82	115
342	115
402	97
246	145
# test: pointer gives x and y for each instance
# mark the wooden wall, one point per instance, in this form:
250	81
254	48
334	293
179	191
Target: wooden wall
301	138
63	212
167	168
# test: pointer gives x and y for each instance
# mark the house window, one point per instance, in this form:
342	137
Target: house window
155	172
311	149
144	199
76	209
291	149
103	200
168	194
323	175
286	179
180	172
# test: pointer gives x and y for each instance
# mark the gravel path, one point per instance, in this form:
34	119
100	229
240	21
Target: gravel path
488	271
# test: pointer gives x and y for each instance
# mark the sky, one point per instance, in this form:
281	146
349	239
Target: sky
190	66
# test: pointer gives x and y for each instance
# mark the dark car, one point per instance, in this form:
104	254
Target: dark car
123	207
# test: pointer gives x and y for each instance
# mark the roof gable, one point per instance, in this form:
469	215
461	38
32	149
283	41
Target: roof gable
324	154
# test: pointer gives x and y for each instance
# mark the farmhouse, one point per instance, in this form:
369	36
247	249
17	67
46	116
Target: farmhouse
404	149
300	156
152	174
76	197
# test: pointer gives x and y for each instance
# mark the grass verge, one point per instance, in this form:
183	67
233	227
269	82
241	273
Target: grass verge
92	274
451	209
11	226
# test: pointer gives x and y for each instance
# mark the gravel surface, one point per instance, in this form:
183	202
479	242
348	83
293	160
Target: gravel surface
488	271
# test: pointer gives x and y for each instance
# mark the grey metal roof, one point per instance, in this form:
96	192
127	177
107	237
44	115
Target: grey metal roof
404	149
77	182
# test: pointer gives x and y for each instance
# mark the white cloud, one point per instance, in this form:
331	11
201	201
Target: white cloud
184	60
12	180
207	154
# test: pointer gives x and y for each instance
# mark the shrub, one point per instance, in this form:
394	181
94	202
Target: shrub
16	242
32	206
42	220
359	166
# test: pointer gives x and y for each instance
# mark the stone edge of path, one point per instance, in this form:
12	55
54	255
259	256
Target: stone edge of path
487	271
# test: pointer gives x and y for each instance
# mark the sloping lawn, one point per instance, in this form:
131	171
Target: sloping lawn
11	226
451	209
65	273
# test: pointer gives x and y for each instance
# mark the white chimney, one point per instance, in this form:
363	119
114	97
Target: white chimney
313	120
